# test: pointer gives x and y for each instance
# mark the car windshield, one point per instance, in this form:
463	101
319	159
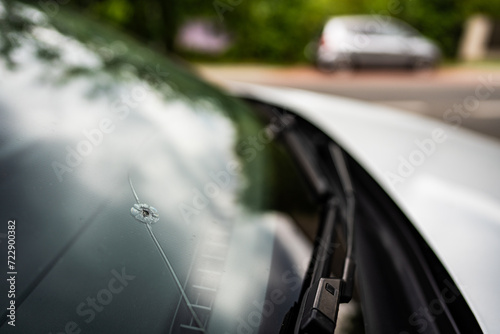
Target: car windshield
379	25
145	200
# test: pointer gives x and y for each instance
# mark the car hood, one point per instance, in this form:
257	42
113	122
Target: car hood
444	178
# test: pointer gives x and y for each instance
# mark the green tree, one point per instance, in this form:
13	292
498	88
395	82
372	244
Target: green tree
278	30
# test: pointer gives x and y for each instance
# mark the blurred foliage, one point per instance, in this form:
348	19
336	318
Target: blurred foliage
441	21
276	30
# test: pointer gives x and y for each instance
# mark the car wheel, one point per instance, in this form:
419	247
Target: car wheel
340	65
420	64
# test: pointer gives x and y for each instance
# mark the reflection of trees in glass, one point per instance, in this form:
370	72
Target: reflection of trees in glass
121	60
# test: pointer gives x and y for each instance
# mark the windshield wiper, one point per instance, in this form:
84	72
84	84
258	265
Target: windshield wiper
319	308
320	304
322	294
350	209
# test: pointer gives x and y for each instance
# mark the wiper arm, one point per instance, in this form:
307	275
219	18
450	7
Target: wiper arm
320	305
320	302
302	155
345	180
319	308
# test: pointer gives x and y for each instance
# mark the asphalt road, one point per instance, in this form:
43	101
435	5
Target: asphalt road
471	91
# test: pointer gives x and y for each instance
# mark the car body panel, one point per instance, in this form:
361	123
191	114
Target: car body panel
452	194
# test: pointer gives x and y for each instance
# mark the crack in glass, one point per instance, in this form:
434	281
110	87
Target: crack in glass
148	215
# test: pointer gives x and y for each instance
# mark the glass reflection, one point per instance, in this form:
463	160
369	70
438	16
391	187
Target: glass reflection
82	108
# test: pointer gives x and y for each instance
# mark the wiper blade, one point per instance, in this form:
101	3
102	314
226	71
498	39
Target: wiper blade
319	308
320	304
295	141
345	179
322	296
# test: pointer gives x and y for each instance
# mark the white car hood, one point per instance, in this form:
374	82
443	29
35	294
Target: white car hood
452	197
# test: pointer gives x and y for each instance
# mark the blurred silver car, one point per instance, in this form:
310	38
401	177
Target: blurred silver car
373	41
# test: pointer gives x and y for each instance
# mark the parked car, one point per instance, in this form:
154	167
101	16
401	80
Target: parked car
373	41
139	199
